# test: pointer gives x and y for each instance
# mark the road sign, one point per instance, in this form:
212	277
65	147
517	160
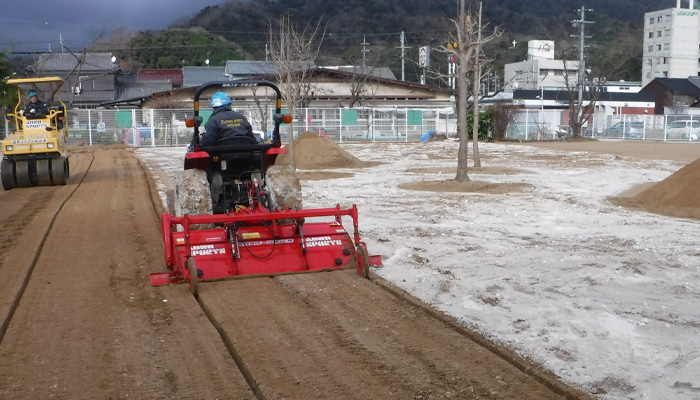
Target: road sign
424	57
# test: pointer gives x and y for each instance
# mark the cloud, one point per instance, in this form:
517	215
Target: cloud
79	22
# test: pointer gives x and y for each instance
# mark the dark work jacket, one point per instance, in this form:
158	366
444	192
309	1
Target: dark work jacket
40	108
226	123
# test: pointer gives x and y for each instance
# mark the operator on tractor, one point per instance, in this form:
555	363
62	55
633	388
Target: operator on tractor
225	123
35	108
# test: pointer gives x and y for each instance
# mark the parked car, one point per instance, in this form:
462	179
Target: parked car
683	129
626	129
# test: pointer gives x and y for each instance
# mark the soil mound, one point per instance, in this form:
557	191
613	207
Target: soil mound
678	195
314	152
435	137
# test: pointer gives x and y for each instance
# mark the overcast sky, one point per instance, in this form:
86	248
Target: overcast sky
32	26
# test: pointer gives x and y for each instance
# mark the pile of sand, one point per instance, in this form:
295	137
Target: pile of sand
314	152
676	196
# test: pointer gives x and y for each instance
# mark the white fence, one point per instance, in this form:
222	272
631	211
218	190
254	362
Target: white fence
533	125
167	127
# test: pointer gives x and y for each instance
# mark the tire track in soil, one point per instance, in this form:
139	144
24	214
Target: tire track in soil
89	325
18	211
19	218
336	335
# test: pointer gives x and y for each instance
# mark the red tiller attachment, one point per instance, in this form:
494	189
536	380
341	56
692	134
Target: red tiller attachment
258	242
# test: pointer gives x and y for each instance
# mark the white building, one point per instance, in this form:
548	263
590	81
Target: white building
671	40
540	70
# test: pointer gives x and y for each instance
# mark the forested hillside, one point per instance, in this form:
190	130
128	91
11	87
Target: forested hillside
617	32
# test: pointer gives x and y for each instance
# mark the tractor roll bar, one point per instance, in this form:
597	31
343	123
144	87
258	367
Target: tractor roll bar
278	118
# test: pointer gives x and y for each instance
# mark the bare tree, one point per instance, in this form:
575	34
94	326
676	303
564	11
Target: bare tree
582	93
358	84
581	107
293	52
465	44
263	106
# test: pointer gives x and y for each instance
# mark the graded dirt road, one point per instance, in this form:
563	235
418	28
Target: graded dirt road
80	319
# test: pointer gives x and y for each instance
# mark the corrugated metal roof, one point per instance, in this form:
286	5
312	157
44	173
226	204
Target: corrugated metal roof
129	89
173	75
249	68
377	72
197	76
68	62
88	97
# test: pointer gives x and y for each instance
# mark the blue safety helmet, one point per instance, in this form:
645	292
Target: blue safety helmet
219	99
32	93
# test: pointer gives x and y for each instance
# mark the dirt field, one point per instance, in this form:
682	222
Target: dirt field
80	319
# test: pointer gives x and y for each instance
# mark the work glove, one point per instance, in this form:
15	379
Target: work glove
32	111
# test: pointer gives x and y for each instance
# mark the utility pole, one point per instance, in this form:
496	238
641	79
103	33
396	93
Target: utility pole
364	50
403	56
475	94
582	47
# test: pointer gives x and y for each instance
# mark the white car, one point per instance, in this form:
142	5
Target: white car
683	130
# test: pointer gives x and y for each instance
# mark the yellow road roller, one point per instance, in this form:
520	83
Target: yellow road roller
34	152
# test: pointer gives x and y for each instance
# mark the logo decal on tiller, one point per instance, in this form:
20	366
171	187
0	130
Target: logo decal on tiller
322	241
207	250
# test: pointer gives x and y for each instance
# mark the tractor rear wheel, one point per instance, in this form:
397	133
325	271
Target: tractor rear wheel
193	196
8	174
363	257
194	280
283	187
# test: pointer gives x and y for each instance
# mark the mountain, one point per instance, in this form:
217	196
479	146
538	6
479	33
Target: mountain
616	34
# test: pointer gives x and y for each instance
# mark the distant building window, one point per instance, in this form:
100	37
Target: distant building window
658	33
658	47
668	17
651	21
667	46
651	35
660	19
667	32
665	60
648	75
665	74
651	61
651	48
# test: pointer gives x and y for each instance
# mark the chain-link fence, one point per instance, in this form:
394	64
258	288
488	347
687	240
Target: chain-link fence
166	127
533	125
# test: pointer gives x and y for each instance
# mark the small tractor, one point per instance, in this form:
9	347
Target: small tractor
255	225
35	150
